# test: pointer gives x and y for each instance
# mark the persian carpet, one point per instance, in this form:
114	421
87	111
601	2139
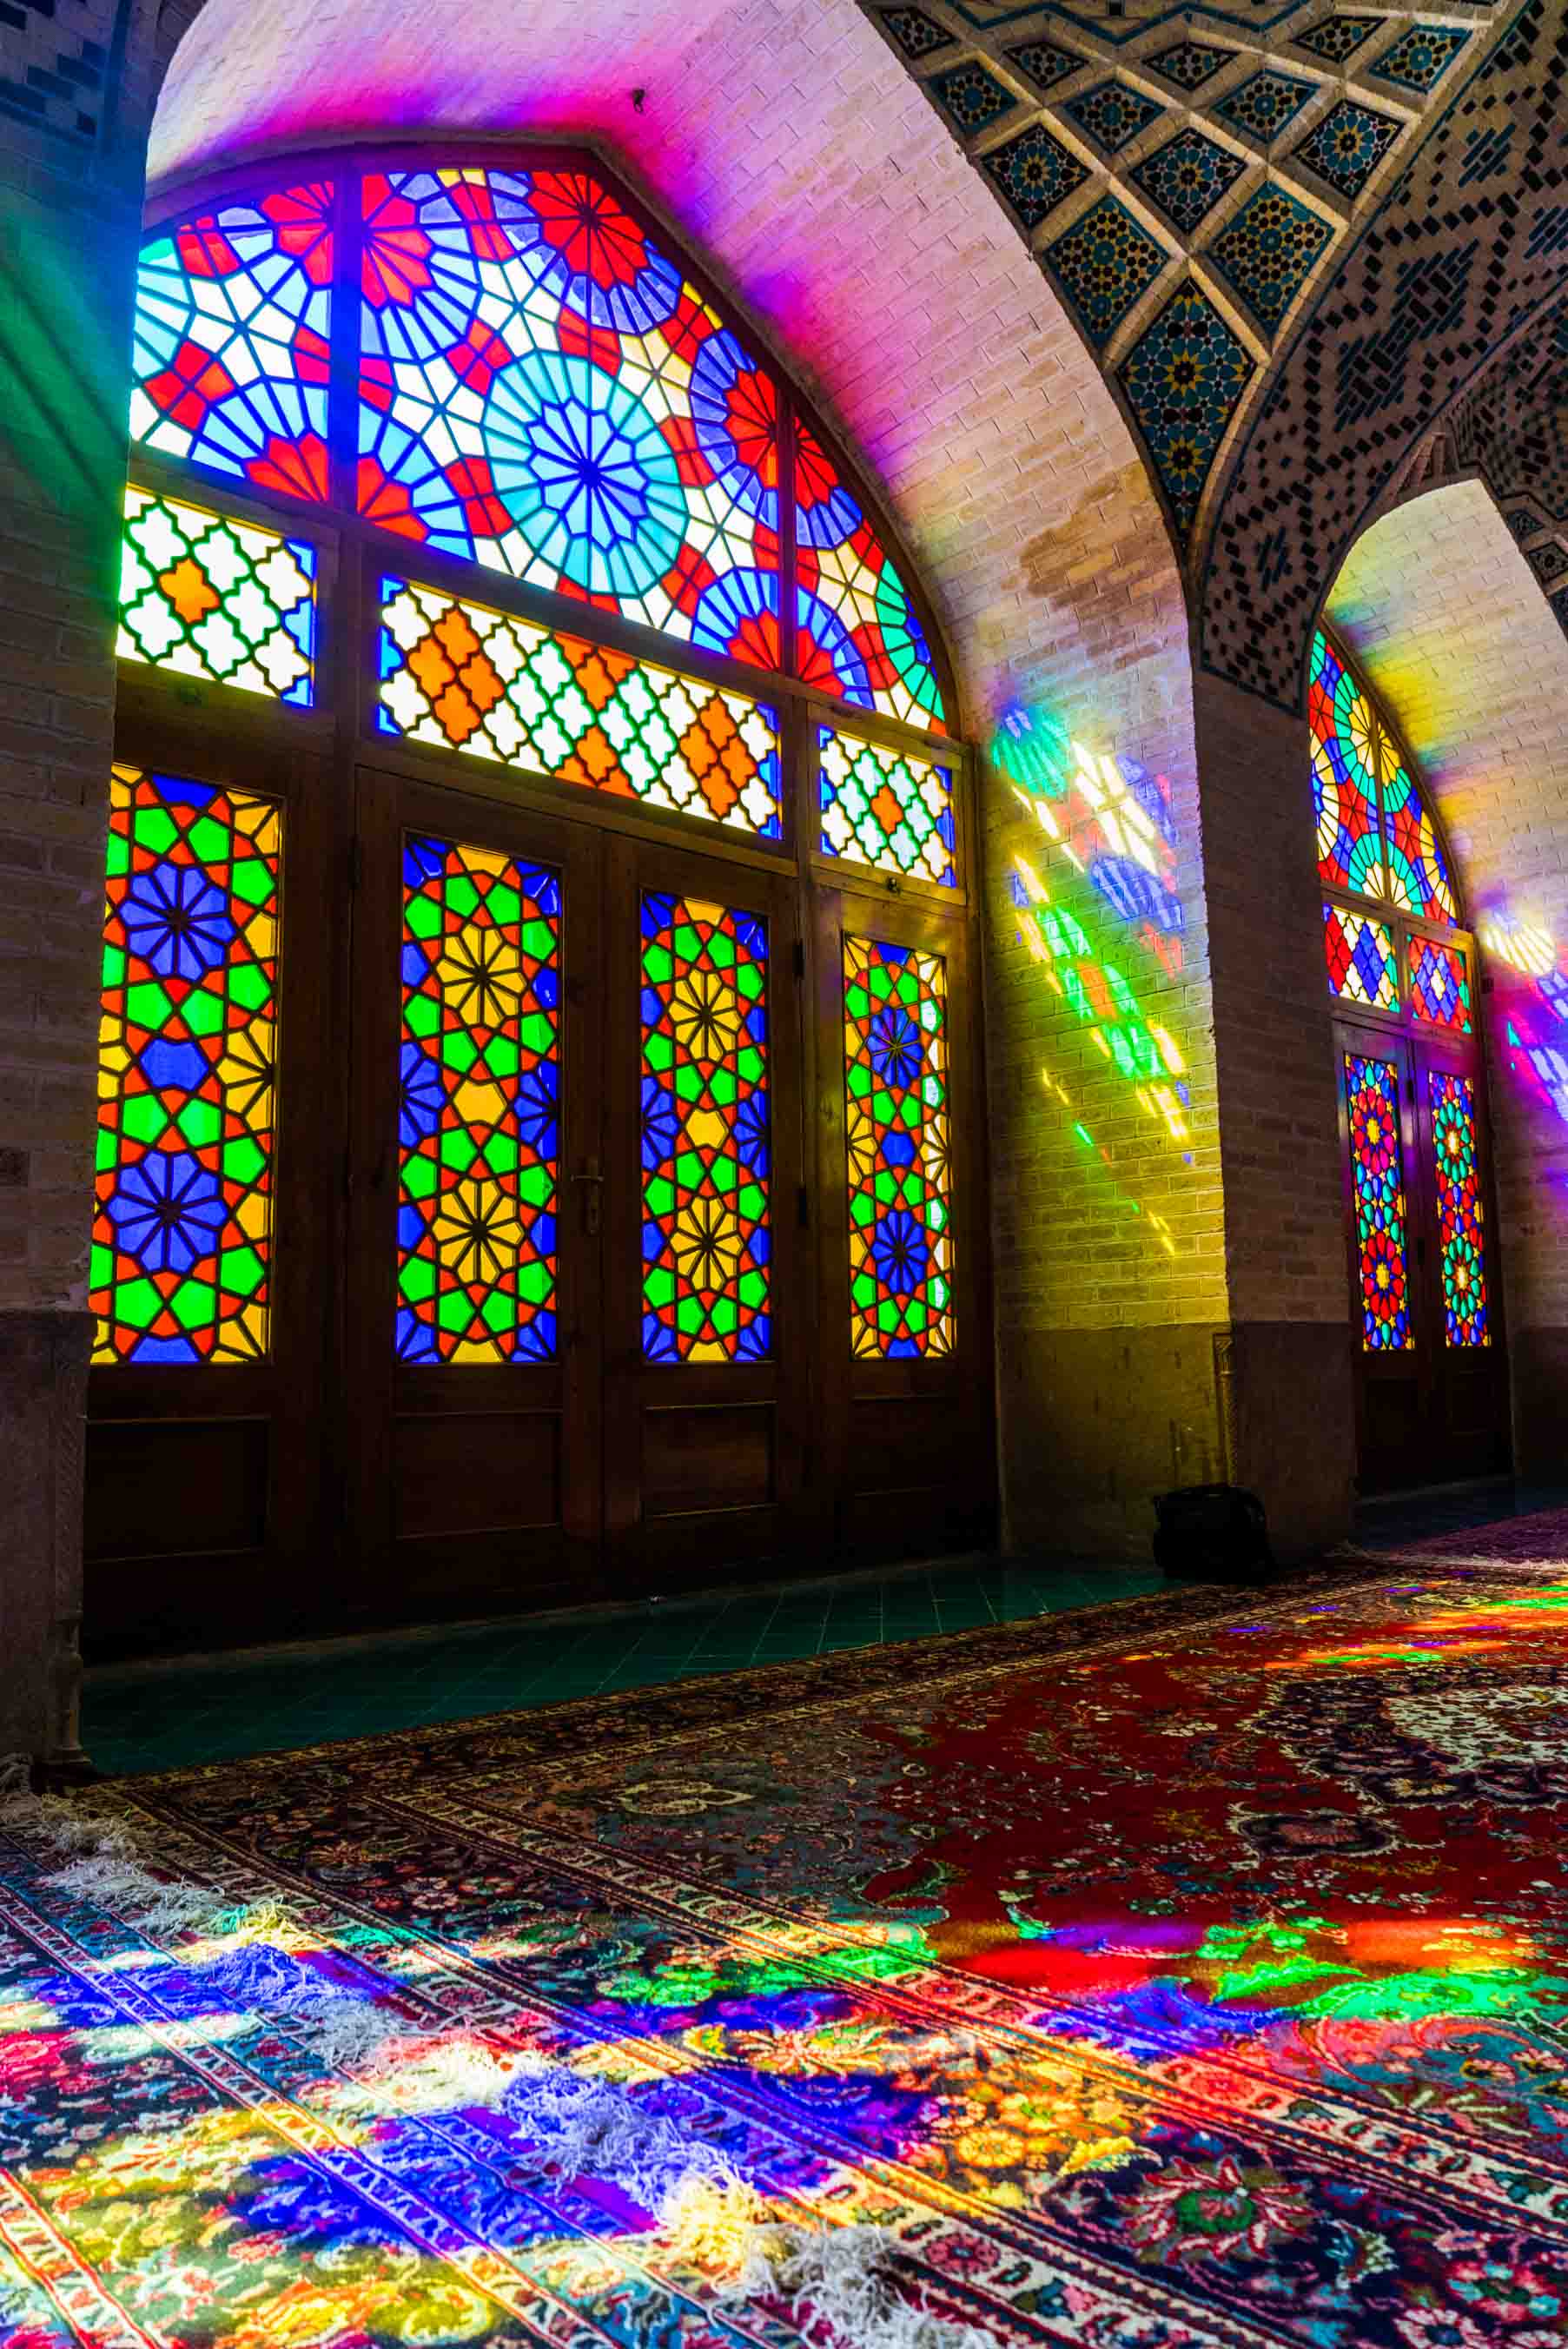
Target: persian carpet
1187	1972
1539	1538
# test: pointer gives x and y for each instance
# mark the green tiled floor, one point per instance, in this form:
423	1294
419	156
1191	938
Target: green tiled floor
158	1716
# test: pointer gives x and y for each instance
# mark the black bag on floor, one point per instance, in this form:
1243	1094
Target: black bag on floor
1212	1533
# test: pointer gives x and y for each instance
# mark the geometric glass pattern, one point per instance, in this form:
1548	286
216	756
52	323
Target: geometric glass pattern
859	637
1262	106
1267	250
705	1132
1361	967
187	1054
1187	177
1418	871
1344	738
1348	146
1106	261
1034	171
1372	1095
497	686
1439	986
1422	56
230	339
1451	1103
899	1177
542	391
209	596
886	808
1112	114
477	1107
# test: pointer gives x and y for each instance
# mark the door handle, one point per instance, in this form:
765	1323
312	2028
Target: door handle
592	1182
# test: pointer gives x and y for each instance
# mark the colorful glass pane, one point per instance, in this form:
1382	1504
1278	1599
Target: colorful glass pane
470	679
859	637
1439	986
230	349
886	808
1344	782
1418	869
541	390
899	1177
477	1130
1377	1167
210	596
187	1054
1361	967
1460	1215
704	1133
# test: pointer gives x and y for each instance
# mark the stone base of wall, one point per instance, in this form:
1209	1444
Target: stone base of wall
1094	1422
1539	1367
43	1400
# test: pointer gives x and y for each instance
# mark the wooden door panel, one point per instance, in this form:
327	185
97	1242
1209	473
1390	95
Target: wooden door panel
476	1390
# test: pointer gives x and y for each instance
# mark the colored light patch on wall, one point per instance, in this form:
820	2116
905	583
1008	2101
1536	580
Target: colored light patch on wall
705	1137
182	1245
209	596
231	345
542	391
896	1137
1418	876
886	808
465	679
476	1123
1439	986
1450	1102
1360	952
859	638
1344	780
1377	1165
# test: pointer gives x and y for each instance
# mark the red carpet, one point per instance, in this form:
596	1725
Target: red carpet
1188	1973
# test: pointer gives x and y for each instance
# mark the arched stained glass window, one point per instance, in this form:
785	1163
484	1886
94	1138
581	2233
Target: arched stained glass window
1376	836
507	366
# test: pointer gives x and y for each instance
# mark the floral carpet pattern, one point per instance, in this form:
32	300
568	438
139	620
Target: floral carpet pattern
1187	1972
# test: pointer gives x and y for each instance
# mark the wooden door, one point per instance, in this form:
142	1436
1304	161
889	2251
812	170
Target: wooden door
708	1306
216	1226
473	1281
903	1427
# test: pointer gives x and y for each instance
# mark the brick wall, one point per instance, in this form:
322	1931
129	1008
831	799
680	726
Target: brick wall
1451	626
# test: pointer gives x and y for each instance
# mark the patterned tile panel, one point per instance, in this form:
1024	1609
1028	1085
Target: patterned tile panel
1338	38
1189	64
1420	59
916	33
1267	251
1044	62
972	97
1112	114
1348	146
1187	177
1265	105
1034	171
54	64
1107	261
1183	380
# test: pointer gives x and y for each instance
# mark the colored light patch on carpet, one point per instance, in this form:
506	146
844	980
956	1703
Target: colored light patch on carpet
1088	1979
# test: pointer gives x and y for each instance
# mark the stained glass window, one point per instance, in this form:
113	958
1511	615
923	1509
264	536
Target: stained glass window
1417	871
187	1051
1439	985
1376	1165
705	1132
542	390
886	808
210	596
859	636
1451	1101
466	679
231	353
1344	776
1361	967
477	1201
899	1179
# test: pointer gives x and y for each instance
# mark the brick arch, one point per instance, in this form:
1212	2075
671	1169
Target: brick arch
1444	613
789	152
